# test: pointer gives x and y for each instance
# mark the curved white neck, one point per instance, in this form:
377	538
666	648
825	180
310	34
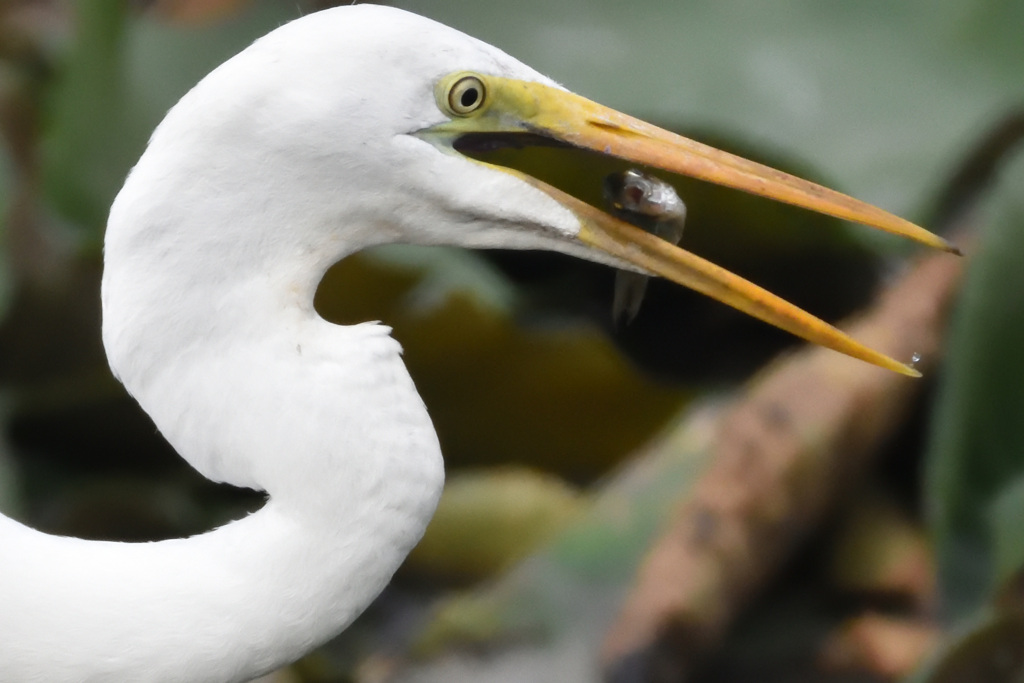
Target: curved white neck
229	605
252	388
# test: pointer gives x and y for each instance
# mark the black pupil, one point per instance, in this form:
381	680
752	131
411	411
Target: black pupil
469	97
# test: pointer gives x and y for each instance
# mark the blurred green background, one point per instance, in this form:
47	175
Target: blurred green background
915	106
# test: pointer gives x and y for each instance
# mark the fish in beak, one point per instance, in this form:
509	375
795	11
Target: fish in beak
648	203
497	108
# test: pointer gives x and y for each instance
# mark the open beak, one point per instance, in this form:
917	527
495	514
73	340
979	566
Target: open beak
511	106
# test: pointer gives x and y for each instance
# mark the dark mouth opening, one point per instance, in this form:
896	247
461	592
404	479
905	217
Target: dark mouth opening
574	170
475	144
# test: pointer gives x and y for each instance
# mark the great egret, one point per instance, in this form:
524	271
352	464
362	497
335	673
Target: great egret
336	132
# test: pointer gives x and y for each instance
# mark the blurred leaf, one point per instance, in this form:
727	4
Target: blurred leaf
977	442
444	271
991	650
10	498
1007	529
83	159
879	97
880	552
6	193
489	519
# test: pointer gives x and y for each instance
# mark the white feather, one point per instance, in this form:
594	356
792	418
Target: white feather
288	157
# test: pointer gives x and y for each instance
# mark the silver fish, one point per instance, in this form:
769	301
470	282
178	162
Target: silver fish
652	205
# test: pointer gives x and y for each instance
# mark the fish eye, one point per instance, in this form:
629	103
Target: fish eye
466	95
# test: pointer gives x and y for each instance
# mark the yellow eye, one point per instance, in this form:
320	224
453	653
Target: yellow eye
466	95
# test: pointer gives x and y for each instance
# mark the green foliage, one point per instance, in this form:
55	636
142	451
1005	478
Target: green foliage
6	192
990	650
86	154
976	463
117	79
1006	523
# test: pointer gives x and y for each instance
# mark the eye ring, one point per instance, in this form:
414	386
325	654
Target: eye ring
466	96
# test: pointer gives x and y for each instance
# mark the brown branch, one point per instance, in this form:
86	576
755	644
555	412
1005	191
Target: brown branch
807	429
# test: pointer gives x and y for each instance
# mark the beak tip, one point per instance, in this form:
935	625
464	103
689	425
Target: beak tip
932	240
942	243
883	361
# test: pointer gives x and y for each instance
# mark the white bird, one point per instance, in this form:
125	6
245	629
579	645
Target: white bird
336	132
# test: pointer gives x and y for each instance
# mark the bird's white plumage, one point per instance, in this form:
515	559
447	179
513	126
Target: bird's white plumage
334	133
291	155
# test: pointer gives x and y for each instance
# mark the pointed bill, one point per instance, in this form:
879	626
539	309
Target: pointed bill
658	257
502	106
575	120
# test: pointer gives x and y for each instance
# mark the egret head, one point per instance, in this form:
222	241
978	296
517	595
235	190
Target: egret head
347	129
